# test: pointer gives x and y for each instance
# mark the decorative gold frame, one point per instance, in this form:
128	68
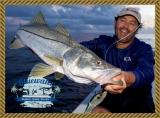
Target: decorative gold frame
3	3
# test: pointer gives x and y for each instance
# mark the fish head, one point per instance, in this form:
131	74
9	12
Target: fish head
96	69
86	64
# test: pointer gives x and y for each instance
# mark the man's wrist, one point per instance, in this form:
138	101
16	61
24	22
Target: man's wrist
129	78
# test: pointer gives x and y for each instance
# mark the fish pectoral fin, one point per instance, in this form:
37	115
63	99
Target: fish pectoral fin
16	44
58	76
41	70
53	60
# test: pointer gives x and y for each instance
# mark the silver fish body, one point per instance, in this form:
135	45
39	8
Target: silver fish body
62	54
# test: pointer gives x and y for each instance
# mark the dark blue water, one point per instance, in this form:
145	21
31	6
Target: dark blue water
19	63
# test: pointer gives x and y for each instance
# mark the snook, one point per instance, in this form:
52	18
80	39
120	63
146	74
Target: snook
62	54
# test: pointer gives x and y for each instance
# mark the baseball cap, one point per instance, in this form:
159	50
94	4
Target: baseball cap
130	11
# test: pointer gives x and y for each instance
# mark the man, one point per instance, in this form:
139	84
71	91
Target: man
135	58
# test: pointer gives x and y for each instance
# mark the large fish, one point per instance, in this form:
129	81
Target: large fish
62	54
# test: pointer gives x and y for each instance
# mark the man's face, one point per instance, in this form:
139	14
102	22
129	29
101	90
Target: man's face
125	25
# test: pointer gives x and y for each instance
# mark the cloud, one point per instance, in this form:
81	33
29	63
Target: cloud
148	30
147	14
16	21
81	20
58	8
20	11
148	23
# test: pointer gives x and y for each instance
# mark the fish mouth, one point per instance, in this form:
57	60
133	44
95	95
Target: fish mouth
106	77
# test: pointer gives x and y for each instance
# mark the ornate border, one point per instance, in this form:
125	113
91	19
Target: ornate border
3	3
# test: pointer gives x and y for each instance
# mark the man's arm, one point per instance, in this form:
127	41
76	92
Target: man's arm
144	72
141	76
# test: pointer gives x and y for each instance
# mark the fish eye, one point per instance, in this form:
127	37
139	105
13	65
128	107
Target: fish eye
98	62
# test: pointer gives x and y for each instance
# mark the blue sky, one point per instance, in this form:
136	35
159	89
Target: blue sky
84	22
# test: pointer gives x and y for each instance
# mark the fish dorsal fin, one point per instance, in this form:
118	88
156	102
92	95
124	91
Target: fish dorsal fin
61	29
38	19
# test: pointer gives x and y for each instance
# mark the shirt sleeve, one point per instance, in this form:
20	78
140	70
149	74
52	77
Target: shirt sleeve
144	71
97	45
91	44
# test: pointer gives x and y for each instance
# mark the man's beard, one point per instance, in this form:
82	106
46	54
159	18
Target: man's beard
127	38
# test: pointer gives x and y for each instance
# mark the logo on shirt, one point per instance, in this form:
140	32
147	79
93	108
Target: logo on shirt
127	59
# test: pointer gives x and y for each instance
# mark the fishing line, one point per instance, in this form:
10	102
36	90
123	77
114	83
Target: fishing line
120	40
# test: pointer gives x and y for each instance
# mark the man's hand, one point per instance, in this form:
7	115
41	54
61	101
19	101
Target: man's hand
128	78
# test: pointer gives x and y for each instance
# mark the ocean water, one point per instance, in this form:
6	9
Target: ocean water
148	38
19	63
